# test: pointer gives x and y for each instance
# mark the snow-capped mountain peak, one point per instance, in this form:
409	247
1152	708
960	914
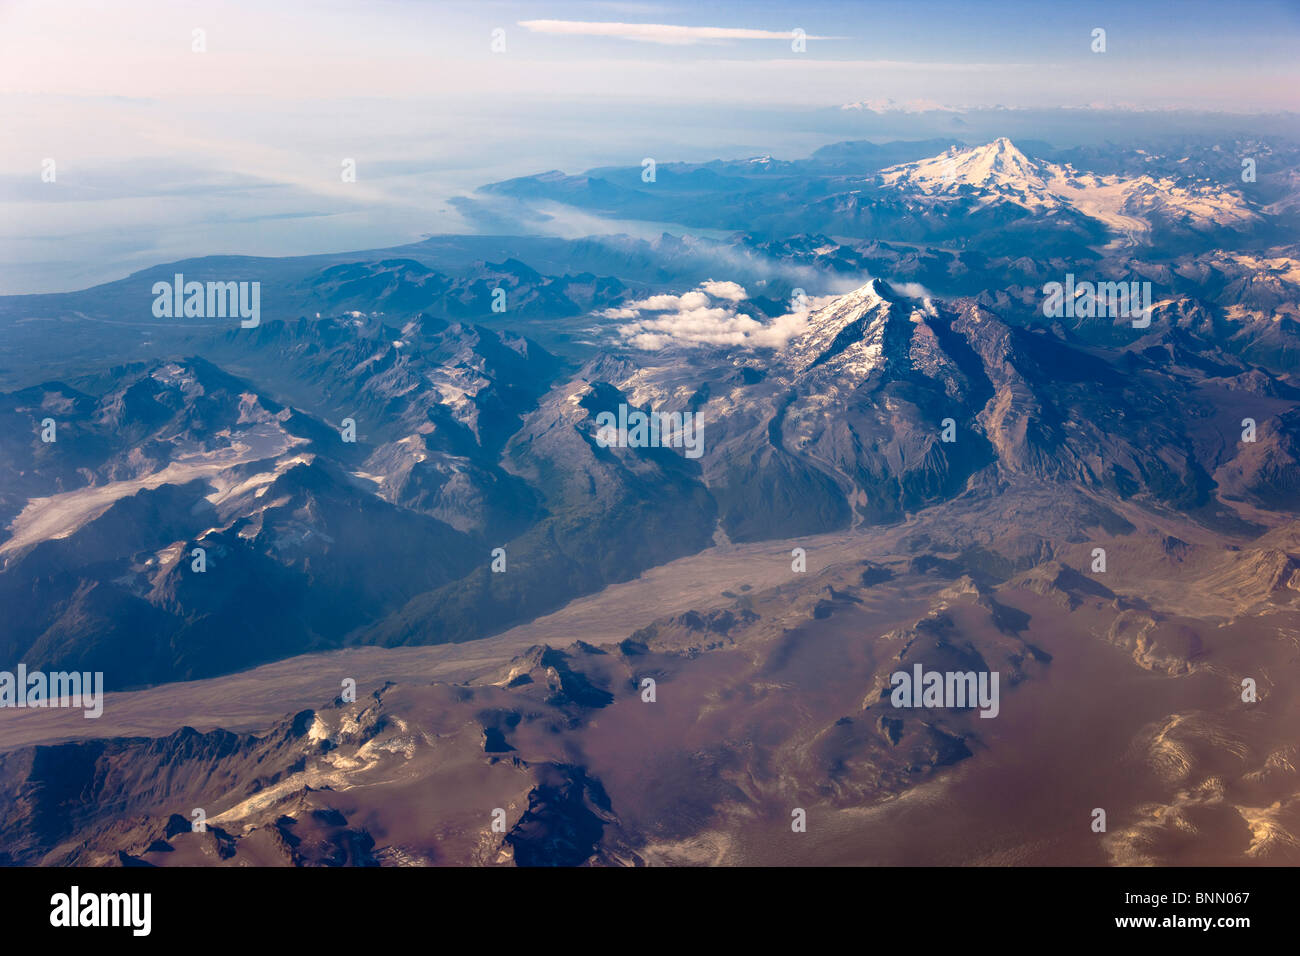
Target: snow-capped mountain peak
999	161
997	170
848	334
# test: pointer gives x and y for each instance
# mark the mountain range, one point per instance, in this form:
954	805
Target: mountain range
906	462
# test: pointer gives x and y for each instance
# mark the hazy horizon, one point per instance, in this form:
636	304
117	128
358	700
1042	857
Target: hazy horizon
163	153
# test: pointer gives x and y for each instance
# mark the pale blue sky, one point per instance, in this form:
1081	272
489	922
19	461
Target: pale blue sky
162	152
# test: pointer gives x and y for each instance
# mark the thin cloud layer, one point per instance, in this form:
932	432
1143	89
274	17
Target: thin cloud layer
666	33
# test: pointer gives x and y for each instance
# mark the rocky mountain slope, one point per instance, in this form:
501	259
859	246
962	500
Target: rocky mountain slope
468	440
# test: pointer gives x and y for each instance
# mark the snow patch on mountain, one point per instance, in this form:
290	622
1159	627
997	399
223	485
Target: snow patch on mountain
61	514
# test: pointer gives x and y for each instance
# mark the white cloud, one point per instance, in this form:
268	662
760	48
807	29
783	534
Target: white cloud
709	315
731	291
665	33
888	66
913	290
663	303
